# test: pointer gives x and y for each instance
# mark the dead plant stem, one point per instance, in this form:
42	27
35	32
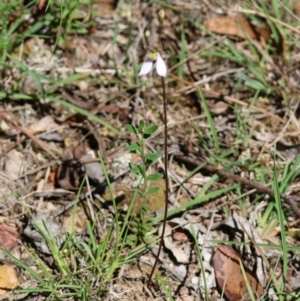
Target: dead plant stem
288	199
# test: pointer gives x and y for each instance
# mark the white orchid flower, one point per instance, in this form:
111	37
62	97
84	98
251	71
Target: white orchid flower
154	58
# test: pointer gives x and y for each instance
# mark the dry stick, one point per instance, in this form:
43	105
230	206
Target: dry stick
29	135
166	181
290	200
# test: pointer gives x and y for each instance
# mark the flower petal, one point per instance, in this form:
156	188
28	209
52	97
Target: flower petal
161	67
146	67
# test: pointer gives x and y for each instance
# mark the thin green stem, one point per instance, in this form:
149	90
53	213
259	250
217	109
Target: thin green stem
144	166
166	180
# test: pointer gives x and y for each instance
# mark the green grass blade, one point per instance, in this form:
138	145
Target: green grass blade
281	218
210	121
198	200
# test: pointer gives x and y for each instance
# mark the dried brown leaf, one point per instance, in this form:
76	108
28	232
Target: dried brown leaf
236	26
229	276
240	26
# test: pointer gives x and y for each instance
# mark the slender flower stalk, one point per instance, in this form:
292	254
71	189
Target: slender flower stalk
154	59
166	181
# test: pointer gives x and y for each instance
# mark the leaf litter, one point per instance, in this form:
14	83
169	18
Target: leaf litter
56	137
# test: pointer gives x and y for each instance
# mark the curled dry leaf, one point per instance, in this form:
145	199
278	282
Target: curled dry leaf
8	279
229	276
9	237
78	159
69	172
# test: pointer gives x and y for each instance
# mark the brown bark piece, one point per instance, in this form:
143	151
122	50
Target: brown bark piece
229	275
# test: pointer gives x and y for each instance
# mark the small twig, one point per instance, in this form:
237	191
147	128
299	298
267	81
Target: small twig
208	79
290	200
28	134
